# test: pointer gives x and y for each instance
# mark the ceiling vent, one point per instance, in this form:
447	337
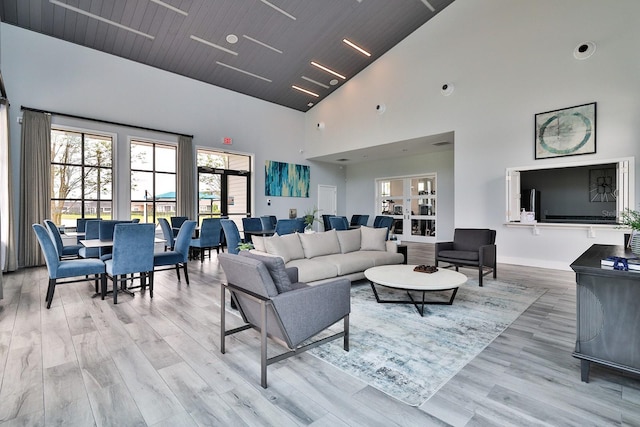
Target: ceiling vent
440	144
342	160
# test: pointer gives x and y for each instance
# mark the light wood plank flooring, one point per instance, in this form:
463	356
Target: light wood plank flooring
157	362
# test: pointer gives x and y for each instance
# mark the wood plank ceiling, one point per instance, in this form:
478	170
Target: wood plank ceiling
276	39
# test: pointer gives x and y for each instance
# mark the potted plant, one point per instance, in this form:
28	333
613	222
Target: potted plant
310	217
631	219
246	246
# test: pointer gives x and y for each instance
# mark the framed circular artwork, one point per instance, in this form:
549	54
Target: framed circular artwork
566	132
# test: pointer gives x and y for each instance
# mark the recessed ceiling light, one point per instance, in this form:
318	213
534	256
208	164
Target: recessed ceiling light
232	38
333	82
356	47
310	104
305	91
328	70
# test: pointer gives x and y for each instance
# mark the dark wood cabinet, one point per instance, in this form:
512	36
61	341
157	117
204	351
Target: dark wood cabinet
608	312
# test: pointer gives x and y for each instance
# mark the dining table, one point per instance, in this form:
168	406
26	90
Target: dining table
267	232
98	243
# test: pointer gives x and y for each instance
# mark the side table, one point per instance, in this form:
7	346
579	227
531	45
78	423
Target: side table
402	249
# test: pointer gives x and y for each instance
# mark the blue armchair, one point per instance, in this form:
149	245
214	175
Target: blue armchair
66	268
179	256
132	253
209	237
167	232
231	235
63	251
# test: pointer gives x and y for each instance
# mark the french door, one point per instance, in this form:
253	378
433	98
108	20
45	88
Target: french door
223	192
411	201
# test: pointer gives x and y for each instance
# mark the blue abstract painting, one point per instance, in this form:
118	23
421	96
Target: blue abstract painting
286	179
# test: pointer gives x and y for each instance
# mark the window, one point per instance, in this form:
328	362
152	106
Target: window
579	193
153	181
81	176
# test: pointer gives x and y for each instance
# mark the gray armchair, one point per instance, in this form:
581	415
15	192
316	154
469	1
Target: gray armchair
470	247
272	301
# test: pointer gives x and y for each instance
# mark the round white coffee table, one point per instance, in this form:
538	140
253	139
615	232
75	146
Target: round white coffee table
404	278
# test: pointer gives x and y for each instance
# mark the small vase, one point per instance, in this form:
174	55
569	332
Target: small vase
309	229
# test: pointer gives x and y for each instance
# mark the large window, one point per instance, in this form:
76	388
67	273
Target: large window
81	176
153	181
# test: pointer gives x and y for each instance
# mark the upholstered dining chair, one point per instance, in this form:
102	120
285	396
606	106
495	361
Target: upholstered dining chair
362	220
251	224
231	235
268	222
209	237
355	219
326	223
179	255
289	226
64	269
473	247
176	223
339	222
272	301
382	221
167	232
132	253
91	231
68	251
106	233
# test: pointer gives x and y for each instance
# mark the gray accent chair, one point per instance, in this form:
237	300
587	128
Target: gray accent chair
470	247
290	316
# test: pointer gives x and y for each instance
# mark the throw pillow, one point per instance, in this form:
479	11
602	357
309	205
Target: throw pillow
258	243
276	269
349	240
373	239
318	244
293	245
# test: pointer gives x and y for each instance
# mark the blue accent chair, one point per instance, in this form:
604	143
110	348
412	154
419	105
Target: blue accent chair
176	223
339	222
209	237
231	235
67	268
91	231
132	253
179	256
69	251
167	232
289	226
251	224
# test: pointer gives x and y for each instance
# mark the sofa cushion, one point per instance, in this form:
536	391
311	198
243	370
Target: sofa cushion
318	244
310	270
349	240
373	239
287	247
352	262
258	243
276	269
383	258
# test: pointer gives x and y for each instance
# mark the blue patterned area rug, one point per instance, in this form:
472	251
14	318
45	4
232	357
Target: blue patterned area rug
410	357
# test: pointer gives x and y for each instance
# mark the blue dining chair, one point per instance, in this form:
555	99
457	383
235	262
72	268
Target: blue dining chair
355	220
132	253
289	226
363	220
176	223
268	222
179	255
382	221
209	237
326	223
251	224
339	223
167	232
92	231
63	251
64	269
231	235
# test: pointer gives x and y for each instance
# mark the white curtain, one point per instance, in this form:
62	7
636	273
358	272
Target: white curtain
186	194
35	187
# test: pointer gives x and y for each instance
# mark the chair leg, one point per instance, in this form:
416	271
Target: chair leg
115	289
50	290
345	341
103	286
480	272
178	271
150	284
263	344
201	255
186	275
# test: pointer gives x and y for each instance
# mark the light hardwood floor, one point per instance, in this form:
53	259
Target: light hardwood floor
157	362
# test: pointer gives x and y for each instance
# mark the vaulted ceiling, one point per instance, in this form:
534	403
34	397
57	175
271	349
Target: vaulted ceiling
261	48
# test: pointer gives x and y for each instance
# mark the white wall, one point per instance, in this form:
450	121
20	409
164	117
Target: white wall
508	61
46	73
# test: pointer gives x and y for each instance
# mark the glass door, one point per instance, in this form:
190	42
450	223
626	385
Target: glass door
411	201
223	193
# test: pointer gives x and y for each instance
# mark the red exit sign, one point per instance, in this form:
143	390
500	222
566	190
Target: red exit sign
227	141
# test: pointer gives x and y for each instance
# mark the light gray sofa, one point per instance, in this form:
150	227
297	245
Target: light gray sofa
323	256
